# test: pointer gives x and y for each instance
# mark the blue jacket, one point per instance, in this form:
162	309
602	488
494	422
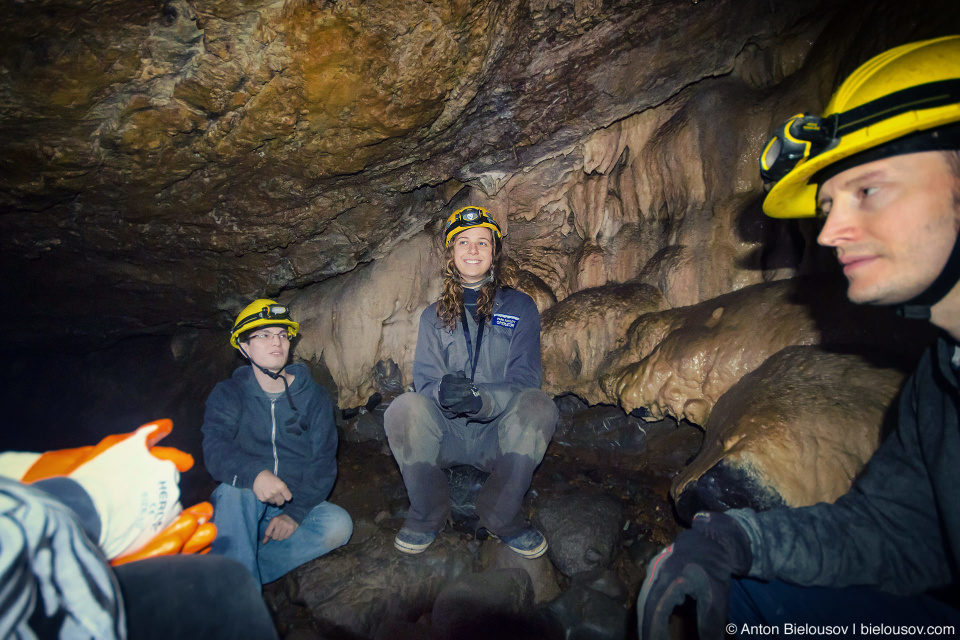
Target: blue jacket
898	528
509	359
244	432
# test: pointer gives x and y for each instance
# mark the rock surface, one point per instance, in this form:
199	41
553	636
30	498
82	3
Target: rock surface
796	431
582	530
679	362
165	162
579	332
358	588
368	590
501	598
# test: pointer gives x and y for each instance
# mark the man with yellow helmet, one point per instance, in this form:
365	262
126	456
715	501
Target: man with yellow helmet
270	440
881	166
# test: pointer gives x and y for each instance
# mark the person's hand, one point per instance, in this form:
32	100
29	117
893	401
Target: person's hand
192	532
698	564
30	467
134	491
271	489
280	528
458	394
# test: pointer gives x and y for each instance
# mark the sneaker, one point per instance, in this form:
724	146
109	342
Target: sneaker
412	542
529	543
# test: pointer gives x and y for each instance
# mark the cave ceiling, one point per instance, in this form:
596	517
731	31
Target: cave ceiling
165	161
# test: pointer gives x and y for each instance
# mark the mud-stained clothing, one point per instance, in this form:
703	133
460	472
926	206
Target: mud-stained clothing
507	436
898	528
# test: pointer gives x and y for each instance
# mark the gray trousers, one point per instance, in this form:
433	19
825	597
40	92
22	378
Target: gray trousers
509	447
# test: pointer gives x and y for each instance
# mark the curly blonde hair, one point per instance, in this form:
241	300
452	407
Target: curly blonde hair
450	303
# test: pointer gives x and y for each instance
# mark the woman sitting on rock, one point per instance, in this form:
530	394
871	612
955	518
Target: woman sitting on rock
478	399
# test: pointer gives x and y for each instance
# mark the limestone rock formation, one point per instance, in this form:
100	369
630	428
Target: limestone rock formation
679	362
382	299
165	162
579	332
796	431
180	157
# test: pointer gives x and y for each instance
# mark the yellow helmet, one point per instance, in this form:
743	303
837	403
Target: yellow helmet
262	313
469	217
901	101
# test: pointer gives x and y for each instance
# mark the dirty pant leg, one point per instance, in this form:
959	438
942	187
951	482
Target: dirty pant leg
242	520
414	426
524	430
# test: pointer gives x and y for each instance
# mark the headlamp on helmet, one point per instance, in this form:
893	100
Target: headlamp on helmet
469	217
262	313
800	137
905	100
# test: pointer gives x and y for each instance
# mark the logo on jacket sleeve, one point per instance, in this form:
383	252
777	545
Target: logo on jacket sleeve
503	320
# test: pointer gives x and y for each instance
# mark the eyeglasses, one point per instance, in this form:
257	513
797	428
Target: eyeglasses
266	335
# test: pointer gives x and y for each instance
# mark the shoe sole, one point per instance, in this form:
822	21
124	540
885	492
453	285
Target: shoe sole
529	554
411	549
533	553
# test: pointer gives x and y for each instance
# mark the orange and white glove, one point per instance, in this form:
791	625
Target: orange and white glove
191	532
132	484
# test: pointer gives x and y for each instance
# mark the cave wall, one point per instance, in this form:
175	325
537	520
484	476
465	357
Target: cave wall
165	162
208	152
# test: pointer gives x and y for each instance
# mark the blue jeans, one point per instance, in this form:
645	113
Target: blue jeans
242	520
776	609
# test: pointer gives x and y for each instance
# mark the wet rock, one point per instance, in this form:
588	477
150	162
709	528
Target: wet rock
465	481
582	329
543	575
358	588
602	433
641	551
796	431
365	426
679	362
533	286
593	608
388	380
496	601
582	529
338	317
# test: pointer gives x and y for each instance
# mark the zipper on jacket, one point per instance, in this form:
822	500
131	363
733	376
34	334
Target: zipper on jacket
273	438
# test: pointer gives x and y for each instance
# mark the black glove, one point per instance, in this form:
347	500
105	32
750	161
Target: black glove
698	564
458	394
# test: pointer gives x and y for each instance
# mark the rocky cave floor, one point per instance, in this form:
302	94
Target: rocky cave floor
600	496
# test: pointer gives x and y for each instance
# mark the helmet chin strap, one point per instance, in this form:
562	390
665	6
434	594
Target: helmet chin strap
918	308
274	376
478	283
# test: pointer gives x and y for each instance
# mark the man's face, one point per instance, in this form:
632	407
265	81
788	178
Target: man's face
268	347
893	223
473	253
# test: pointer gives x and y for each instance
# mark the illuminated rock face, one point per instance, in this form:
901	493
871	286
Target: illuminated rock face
679	362
166	162
796	431
580	331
